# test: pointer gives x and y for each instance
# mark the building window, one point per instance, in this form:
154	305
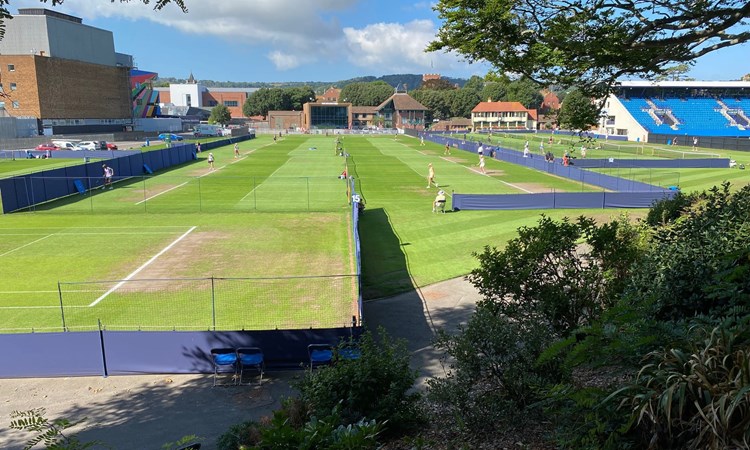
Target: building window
12	86
2	105
188	100
212	103
231	103
16	105
11	67
1	87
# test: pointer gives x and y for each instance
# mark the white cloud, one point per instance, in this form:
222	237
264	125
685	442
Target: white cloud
292	33
396	47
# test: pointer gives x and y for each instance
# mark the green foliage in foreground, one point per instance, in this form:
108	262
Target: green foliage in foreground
50	433
350	404
659	359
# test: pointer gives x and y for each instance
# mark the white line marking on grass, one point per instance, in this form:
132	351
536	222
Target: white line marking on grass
39	307
256	186
26	245
212	171
136	271
44	292
163	192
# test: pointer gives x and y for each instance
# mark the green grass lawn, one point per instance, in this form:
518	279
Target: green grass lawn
279	210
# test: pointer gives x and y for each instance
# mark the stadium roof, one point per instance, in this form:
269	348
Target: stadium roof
686	84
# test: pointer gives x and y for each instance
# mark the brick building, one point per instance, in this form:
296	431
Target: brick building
64	73
179	97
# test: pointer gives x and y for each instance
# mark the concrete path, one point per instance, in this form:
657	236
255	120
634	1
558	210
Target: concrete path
145	412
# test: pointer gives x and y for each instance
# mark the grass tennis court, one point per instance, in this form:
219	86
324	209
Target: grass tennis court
279	211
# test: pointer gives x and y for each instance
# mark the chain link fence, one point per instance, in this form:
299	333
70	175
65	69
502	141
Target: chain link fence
211	303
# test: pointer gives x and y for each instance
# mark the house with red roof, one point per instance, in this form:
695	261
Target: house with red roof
503	116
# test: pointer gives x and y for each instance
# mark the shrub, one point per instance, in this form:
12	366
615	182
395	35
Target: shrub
562	273
50	433
279	432
374	386
696	398
494	376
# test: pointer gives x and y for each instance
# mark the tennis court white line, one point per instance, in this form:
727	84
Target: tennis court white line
256	186
238	160
96	228
136	271
44	292
39	307
487	175
163	192
114	233
212	171
26	245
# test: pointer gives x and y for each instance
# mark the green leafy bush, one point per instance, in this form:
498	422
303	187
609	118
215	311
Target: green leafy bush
375	386
50	433
700	264
280	432
561	273
696	398
494	376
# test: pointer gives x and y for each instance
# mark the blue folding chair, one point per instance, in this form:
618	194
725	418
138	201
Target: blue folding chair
320	355
349	351
225	361
251	358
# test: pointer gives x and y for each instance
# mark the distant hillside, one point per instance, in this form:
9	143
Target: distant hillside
411	81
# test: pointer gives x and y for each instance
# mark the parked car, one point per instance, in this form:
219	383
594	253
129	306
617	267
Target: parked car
47	146
89	145
110	146
67	145
170	136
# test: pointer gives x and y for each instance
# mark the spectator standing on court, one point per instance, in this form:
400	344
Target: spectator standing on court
108	174
695	143
421	141
480	150
447	149
198	146
211	161
236	150
431	176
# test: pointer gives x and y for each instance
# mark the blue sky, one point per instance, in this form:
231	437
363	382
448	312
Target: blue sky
299	40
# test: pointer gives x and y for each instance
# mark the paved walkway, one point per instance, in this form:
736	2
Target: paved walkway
144	412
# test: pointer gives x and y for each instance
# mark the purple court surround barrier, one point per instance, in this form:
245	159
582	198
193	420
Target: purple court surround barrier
26	191
104	353
625	193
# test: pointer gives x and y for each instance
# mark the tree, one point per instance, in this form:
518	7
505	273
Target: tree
366	94
525	92
263	100
494	91
589	44
462	101
475	84
437	102
675	73
158	5
576	112
300	95
220	114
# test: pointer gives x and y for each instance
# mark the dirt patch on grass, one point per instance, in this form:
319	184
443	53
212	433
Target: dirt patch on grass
535	188
183	260
455	159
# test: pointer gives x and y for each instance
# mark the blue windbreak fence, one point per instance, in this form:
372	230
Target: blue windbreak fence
26	191
627	193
